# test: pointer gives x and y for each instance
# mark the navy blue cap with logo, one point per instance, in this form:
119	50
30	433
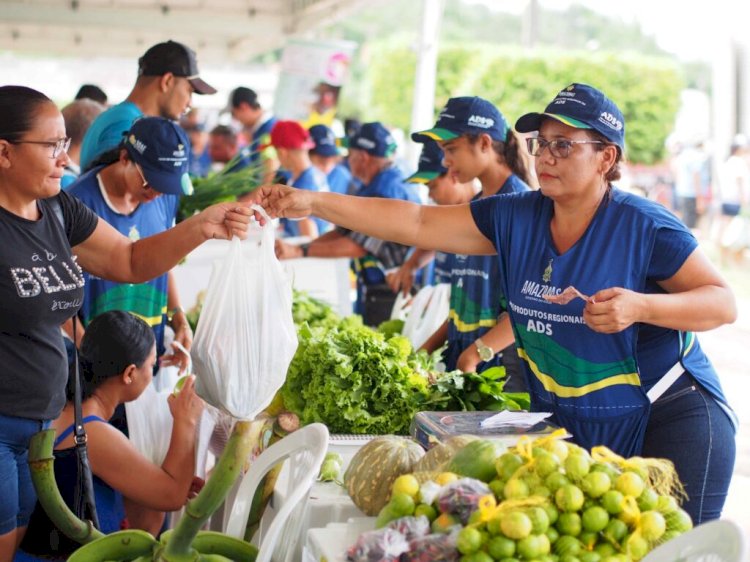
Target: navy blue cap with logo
468	115
430	164
583	107
325	141
374	139
162	149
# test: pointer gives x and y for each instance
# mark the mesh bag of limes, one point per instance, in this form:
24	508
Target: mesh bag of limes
546	500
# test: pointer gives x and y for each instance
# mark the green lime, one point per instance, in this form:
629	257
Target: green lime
569	497
501	547
469	540
613	501
569	524
516	525
595	519
630	484
595	484
533	546
652	525
426	510
402	504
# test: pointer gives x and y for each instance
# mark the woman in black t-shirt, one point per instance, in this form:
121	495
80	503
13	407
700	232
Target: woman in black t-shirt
47	237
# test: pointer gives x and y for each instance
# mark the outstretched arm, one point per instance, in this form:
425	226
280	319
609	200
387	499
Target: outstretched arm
449	228
110	255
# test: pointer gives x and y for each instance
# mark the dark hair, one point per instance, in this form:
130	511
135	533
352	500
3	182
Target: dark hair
244	95
511	154
113	341
614	173
92	92
225	132
107	158
78	117
18	108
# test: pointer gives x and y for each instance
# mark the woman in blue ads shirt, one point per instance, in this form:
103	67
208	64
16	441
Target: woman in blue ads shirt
595	363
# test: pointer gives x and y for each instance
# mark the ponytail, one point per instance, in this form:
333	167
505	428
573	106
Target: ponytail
515	156
510	154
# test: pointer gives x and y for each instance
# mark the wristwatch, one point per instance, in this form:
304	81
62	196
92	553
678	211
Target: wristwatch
485	351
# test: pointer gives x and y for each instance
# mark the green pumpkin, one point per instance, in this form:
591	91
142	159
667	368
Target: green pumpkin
372	470
441	453
477	460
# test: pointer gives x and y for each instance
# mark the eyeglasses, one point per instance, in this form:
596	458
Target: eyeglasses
559	148
140	173
58	146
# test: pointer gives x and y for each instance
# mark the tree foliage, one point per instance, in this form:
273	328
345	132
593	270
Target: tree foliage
646	89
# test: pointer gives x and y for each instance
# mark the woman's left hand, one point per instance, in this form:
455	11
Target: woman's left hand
613	310
183	334
468	360
224	220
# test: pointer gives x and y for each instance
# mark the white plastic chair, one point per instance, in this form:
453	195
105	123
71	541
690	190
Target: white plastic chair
715	541
305	450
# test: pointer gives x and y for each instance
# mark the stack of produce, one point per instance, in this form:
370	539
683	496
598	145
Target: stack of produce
359	380
546	500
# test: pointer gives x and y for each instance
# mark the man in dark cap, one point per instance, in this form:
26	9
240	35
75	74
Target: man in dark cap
167	78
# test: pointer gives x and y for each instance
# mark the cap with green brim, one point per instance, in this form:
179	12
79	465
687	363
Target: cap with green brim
468	115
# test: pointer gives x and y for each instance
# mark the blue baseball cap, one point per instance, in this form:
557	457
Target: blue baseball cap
583	107
430	164
325	141
161	148
374	139
466	116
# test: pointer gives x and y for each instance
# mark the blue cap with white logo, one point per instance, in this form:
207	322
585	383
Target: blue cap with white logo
374	139
162	150
583	107
325	141
430	164
466	116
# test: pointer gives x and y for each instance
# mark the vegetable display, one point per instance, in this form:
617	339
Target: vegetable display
359	380
545	500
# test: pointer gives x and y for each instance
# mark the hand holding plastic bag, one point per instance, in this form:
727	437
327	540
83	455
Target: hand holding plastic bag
245	337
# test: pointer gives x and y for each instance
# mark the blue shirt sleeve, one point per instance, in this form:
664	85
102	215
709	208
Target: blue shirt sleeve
484	211
672	248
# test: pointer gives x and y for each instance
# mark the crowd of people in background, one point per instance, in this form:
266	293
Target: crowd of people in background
124	167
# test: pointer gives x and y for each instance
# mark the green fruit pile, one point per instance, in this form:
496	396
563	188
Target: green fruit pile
551	501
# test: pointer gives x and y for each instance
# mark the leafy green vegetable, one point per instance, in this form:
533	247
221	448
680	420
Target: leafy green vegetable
391	327
314	312
455	390
225	185
354	380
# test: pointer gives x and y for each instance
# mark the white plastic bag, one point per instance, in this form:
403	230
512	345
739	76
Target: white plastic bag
429	309
245	337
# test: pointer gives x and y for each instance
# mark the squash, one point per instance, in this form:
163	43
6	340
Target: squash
441	453
372	470
477	460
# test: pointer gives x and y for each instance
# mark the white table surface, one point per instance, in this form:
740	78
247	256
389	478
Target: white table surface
330	544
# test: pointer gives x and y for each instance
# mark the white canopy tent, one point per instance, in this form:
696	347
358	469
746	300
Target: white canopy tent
218	30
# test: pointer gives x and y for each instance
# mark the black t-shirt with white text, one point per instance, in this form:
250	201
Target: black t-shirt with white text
41	286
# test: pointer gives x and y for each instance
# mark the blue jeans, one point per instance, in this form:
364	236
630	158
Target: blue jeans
688	427
17	495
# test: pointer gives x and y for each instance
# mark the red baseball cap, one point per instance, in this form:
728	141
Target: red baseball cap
292	135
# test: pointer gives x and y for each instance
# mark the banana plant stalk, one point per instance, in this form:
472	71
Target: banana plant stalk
199	509
284	424
41	462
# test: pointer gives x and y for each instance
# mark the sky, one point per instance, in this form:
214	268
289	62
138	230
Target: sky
687	29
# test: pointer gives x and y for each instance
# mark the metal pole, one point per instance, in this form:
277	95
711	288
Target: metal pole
422	111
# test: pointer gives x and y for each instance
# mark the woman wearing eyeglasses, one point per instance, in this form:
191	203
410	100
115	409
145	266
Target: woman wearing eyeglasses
620	366
47	238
